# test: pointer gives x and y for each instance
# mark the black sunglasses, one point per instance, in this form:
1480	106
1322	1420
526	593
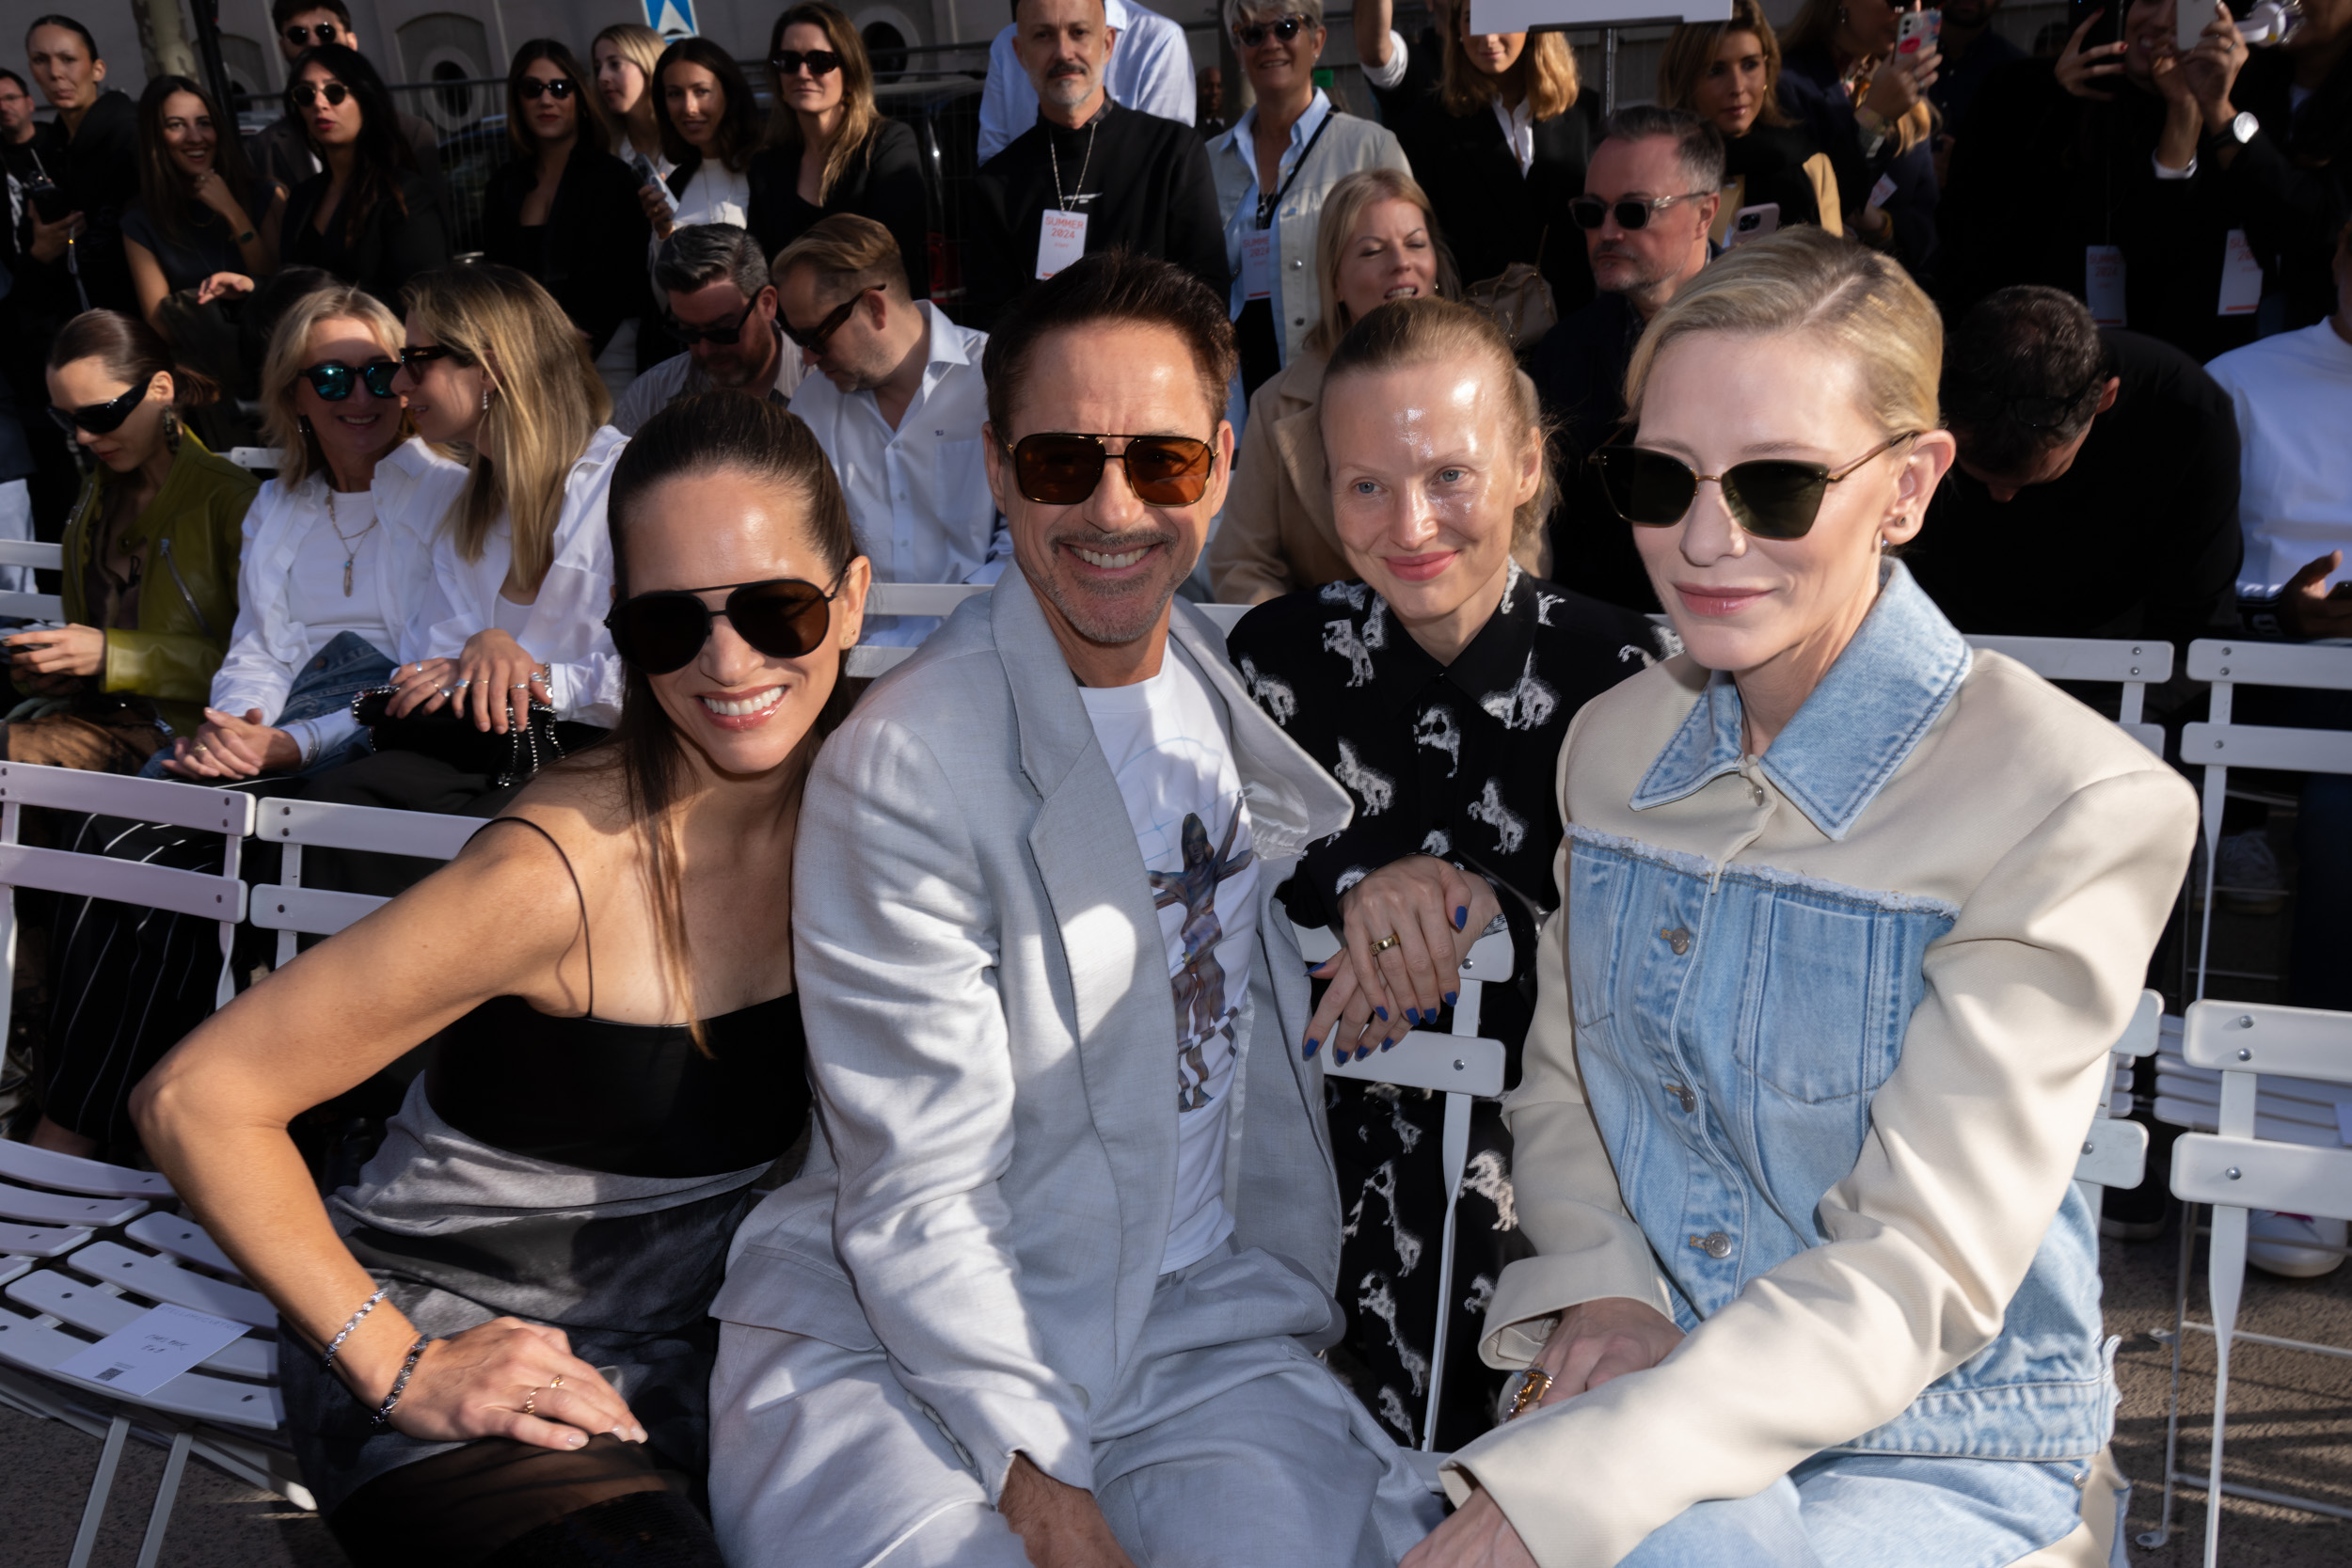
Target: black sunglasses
413	358
333	380
300	36
1771	498
1632	212
100	419
557	87
725	334
308	93
781	617
820	62
1251	34
1062	469
814	338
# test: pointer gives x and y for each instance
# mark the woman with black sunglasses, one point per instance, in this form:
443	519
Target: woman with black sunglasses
369	215
1851	917
150	557
563	210
497	1347
829	149
1435	683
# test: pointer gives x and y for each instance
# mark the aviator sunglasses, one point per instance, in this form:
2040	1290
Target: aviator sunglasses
100	419
557	87
781	617
1632	212
1771	498
332	379
820	62
306	93
1062	469
1250	35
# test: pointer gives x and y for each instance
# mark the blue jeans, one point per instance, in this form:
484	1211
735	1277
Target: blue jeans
1878	1511
329	680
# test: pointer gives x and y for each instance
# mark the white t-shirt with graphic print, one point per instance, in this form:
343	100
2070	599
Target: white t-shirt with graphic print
1170	756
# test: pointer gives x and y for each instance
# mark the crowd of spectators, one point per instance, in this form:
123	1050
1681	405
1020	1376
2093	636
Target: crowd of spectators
2140	253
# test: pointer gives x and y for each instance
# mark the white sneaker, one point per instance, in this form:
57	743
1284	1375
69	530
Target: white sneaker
2249	879
2289	1245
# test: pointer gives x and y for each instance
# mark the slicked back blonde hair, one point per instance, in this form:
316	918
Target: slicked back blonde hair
299	454
1350	198
546	401
1547	68
848	254
1807	282
1408	332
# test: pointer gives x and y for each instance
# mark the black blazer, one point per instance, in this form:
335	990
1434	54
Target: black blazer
591	251
1492	214
391	247
883	181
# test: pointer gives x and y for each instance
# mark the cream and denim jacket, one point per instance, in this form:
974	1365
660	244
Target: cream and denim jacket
1818	1037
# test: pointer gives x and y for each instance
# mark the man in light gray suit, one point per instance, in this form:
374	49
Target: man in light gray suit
1049	1288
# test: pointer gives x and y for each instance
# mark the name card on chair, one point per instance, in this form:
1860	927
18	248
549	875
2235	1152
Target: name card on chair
151	1350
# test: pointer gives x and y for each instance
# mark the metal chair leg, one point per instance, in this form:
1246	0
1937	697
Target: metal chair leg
2163	1532
166	1494
2225	1268
100	1487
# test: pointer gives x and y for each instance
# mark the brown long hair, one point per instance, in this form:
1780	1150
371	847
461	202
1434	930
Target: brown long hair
697	436
594	133
163	189
737	131
853	139
1691	51
1547	68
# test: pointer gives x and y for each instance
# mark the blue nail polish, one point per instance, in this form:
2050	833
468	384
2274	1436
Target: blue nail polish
1383	1012
1450	997
1362	1052
1309	1055
1461	915
1386	1044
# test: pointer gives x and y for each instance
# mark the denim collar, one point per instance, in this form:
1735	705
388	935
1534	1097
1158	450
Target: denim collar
1890	684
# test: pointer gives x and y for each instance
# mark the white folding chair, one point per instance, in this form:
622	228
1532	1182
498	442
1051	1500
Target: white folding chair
2115	1151
218	896
2132	663
1462	1066
293	911
255	457
2236	1169
46	557
2218	744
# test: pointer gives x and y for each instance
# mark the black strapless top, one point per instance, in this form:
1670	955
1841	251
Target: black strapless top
631	1099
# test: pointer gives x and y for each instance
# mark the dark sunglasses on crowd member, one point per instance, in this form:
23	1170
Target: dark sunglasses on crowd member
820	62
413	357
724	334
1251	34
300	36
332	379
781	617
1632	212
306	93
815	338
1062	469
99	419
1771	498
557	87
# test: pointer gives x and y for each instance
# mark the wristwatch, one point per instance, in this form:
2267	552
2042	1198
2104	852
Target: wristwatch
2242	129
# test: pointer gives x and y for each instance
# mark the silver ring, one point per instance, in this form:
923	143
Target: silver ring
520	686
462	685
443	692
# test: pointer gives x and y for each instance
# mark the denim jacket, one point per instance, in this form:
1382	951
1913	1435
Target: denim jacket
1818	1036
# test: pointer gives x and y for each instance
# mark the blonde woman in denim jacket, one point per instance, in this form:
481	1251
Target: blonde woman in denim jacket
1850	917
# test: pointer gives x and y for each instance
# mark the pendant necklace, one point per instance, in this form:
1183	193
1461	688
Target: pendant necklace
351	542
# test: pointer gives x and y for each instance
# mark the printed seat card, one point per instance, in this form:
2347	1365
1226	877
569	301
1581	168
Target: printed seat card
152	1349
2102	284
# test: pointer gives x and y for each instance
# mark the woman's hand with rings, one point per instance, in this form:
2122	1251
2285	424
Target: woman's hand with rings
422	687
227	747
1476	1535
1599	1339
2212	68
2079	68
495	665
1408	927
507	1378
1901	83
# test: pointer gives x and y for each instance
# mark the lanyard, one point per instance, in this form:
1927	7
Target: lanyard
1266	206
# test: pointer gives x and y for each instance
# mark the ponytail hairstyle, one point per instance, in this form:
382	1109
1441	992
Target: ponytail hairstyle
132	353
546	400
695	436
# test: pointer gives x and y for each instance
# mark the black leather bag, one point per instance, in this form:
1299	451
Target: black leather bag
447	736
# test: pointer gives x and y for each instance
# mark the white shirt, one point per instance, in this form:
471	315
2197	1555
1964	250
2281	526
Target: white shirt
563	627
315	594
918	494
1519	125
1238	143
715	194
2293	394
411	493
1150	69
1168	752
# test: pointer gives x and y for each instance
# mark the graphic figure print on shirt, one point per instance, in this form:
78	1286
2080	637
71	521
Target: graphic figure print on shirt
1201	1011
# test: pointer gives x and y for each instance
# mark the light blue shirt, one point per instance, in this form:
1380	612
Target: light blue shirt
1150	70
1237	144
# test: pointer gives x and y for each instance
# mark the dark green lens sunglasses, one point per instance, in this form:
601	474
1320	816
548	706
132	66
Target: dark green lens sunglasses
332	379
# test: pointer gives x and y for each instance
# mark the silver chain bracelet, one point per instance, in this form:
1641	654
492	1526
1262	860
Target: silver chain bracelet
399	1383
326	1362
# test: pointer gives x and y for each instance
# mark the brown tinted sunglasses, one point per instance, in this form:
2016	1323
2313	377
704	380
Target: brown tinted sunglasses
1062	469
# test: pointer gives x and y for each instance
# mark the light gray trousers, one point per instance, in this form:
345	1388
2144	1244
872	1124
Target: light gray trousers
1224	1445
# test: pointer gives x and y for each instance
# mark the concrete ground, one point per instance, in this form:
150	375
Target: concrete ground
2291	1430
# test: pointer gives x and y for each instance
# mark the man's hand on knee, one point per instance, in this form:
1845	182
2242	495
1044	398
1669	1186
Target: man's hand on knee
1476	1535
1061	1526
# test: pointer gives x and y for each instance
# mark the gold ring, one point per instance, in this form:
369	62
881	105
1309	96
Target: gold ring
531	1403
1391	940
1533	1385
556	1383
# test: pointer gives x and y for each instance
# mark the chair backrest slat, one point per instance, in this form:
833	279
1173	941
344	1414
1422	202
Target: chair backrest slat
182	805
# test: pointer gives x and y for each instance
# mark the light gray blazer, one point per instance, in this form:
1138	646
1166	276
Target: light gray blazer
993	1042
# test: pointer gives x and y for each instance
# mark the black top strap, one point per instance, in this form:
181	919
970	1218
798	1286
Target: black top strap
587	946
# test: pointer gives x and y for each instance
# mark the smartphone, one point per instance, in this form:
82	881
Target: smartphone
1918	31
2189	22
1752	223
48	199
646	175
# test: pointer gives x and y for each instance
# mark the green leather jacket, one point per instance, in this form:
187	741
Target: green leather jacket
188	598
